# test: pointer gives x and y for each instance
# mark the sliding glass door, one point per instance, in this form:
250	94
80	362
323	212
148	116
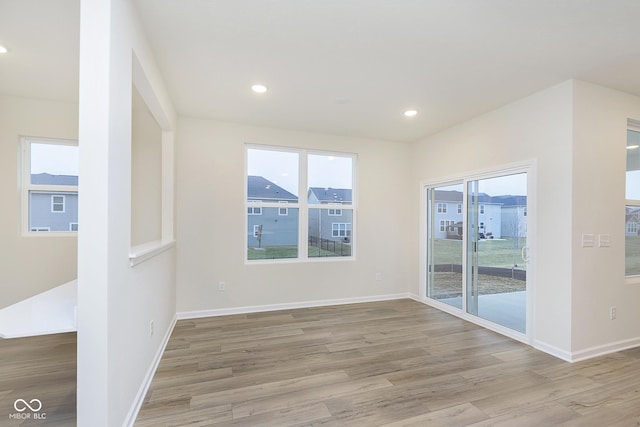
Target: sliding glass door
496	250
477	247
444	247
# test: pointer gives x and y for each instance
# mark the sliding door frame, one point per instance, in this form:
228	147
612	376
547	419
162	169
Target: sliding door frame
529	167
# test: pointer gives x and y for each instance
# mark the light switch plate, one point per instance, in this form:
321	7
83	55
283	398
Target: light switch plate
587	240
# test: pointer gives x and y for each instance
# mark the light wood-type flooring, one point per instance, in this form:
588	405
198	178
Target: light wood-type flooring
42	368
394	363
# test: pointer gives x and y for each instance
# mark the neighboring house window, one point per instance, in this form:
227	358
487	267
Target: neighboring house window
459	207
524	212
632	204
49	185
442	208
57	204
481	209
254	211
256	230
341	229
274	176
73	226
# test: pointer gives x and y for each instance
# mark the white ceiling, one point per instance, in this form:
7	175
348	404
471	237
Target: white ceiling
342	67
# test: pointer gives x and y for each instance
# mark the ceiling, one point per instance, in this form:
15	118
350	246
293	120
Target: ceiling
342	67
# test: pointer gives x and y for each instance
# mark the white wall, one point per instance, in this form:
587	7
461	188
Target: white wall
115	301
598	192
211	222
535	128
55	256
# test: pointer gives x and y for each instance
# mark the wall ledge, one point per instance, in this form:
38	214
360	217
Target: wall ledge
146	251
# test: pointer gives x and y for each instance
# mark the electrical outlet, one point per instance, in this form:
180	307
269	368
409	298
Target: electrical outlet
613	312
151	328
221	286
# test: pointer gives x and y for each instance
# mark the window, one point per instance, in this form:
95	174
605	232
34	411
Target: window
257	229
340	229
459	208
632	195
49	185
73	226
274	178
57	204
442	208
524	211
481	209
254	211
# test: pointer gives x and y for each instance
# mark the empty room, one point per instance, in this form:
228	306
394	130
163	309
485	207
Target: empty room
341	213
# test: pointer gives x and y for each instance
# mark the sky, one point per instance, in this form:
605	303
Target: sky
281	167
54	159
508	185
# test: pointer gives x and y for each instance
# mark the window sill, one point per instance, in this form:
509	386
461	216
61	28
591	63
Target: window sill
141	253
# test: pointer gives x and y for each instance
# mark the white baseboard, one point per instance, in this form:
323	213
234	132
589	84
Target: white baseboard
287	306
601	350
146	383
553	350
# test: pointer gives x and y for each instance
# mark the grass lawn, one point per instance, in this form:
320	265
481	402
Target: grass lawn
491	253
279	252
632	259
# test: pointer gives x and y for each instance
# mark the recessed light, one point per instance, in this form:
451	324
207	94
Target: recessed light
259	88
3	49
410	113
632	147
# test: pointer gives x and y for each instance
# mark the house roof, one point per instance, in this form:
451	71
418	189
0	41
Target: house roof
332	195
510	200
48	179
260	188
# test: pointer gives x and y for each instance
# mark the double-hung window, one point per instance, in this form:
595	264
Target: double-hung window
49	186
298	194
632	205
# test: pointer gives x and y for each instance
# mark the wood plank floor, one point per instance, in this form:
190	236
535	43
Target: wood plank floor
42	368
394	363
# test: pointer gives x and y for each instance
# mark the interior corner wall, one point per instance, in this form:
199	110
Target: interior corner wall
56	256
538	128
116	302
598	199
211	244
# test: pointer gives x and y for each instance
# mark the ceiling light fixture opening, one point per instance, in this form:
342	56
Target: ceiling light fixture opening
410	113
259	88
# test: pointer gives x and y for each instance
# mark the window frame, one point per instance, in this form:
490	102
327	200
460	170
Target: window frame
303	205
54	203
632	125
27	187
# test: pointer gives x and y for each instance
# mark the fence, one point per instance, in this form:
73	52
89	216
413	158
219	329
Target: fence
512	273
336	247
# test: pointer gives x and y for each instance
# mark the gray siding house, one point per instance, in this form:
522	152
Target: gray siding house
332	222
270	226
448	215
53	210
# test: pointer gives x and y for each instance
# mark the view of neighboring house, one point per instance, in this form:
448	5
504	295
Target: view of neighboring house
632	221
498	216
53	210
449	214
333	223
270	226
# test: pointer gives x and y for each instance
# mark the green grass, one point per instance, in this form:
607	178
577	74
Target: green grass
282	252
632	258
491	253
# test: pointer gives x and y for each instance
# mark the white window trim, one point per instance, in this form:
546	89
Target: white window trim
53	203
347	229
27	187
336	212
281	210
254	210
302	205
